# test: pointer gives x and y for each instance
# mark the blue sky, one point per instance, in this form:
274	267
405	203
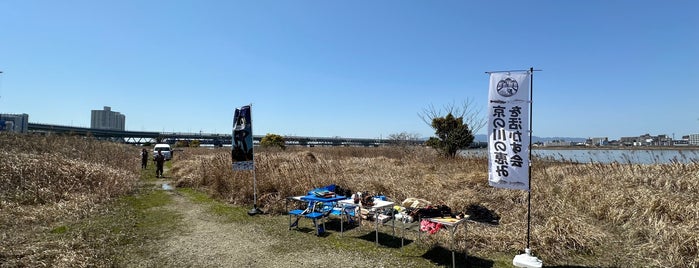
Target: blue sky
361	69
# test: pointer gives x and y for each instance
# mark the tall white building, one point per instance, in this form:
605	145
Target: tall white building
694	139
14	122
107	119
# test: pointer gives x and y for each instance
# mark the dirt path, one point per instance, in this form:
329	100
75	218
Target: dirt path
210	242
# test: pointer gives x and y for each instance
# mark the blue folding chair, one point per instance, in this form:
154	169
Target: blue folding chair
314	211
319	212
298	213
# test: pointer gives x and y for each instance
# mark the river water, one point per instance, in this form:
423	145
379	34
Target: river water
634	156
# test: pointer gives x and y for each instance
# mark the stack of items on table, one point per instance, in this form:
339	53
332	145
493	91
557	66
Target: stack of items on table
420	209
409	211
366	201
330	191
322	192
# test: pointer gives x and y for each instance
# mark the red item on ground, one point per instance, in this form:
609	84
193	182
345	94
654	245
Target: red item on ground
430	227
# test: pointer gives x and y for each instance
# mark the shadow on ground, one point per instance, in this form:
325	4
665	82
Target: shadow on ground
386	240
482	214
310	230
336	226
568	266
442	256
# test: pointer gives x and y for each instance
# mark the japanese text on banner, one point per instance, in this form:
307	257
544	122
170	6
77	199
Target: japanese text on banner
508	130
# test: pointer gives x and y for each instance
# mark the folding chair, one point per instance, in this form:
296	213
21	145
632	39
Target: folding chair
298	213
317	214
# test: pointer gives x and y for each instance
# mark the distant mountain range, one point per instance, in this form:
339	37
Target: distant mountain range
483	138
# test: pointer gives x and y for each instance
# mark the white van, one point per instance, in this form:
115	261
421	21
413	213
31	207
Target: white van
164	148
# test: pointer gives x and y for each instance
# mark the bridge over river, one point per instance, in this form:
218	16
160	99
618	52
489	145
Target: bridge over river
141	137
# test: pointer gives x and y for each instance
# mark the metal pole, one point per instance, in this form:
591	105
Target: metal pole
453	258
526	259
529	193
254	187
376	218
254	173
512	71
254	210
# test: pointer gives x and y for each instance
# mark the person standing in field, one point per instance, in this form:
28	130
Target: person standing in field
144	158
159	162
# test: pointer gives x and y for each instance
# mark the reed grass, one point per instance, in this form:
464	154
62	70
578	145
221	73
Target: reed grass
600	215
47	181
618	214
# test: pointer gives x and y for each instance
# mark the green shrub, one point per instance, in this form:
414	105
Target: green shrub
273	141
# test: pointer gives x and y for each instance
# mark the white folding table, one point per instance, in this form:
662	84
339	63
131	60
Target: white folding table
451	224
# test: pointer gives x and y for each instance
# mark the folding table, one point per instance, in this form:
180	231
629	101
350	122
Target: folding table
315	216
380	205
452	224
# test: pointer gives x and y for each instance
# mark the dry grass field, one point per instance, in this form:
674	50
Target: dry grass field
609	215
45	181
597	215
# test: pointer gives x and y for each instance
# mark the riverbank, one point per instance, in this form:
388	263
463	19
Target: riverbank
597	215
156	226
582	214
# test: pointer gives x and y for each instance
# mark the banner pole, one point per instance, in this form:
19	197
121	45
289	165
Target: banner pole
526	259
254	187
254	172
254	209
531	132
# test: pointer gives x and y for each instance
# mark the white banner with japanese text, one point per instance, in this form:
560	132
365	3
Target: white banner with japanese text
508	130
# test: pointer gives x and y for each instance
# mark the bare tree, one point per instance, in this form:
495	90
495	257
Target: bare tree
404	138
472	116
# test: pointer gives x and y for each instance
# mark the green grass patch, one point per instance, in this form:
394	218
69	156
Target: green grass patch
227	212
136	215
148	173
196	196
123	226
147	199
60	229
119	225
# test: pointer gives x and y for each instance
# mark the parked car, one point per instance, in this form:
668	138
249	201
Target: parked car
164	148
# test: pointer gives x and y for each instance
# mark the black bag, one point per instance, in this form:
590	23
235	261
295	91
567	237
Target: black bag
339	190
431	212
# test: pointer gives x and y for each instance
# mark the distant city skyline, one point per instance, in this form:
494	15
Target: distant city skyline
362	69
477	137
